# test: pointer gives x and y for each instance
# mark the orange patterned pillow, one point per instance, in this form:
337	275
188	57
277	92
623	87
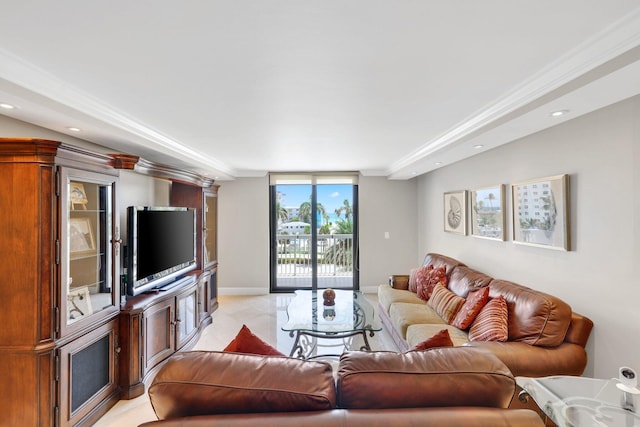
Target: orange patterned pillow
491	324
428	278
476	300
445	303
441	339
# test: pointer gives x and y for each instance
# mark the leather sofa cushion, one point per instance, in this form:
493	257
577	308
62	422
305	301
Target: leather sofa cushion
451	376
438	260
467	417
201	383
534	317
464	280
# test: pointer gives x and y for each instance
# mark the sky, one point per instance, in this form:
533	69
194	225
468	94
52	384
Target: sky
330	195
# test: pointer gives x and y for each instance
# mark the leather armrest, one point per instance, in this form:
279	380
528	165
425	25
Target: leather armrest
525	360
399	281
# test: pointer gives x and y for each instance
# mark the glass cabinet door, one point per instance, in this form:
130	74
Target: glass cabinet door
210	232
89	244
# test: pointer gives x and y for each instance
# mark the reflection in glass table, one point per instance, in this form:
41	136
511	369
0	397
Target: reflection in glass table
309	319
580	401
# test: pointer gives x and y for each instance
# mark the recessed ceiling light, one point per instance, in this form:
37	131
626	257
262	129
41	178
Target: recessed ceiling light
7	106
478	146
437	163
72	129
559	113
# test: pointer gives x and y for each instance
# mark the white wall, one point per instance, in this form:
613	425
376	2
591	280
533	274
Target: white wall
243	236
10	128
386	206
140	190
599	276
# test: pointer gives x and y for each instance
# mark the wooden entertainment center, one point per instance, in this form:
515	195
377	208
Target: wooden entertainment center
72	344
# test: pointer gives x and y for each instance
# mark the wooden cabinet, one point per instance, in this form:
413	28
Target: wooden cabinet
88	379
203	198
60	258
69	347
187	316
153	327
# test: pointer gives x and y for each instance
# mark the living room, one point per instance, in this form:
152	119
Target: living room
401	219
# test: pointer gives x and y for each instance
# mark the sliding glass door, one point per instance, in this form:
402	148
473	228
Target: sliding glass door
314	227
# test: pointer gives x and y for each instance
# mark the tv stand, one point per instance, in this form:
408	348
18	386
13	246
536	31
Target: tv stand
181	281
154	326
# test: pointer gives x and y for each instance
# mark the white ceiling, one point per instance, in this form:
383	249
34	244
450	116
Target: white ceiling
235	88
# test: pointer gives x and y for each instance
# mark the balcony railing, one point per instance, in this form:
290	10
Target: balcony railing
335	255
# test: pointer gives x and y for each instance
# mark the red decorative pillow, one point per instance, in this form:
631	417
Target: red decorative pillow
247	342
441	339
475	301
429	278
445	303
491	324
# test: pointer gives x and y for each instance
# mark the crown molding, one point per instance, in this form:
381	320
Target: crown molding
41	82
615	40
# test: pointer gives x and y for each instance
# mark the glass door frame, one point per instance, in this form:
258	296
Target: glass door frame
273	228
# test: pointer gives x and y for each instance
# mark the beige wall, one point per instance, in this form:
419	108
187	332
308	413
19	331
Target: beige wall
599	276
385	206
243	236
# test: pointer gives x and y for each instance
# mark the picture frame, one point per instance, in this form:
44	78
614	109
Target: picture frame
487	212
541	212
81	238
78	304
77	195
455	212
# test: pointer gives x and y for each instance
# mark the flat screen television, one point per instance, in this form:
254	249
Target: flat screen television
161	245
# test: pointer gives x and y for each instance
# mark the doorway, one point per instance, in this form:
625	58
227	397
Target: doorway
313	231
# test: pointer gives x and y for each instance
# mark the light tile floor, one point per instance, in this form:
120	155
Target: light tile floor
263	314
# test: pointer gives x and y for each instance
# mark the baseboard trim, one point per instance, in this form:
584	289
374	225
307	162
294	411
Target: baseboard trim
243	291
262	291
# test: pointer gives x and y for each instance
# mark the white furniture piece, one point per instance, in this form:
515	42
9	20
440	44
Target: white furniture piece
580	401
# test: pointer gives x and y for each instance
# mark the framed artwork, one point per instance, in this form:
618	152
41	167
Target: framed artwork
77	195
455	212
541	212
487	212
81	238
78	304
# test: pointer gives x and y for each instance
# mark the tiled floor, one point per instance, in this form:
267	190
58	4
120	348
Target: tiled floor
262	314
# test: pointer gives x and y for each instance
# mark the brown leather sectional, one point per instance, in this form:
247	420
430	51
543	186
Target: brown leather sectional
458	386
545	336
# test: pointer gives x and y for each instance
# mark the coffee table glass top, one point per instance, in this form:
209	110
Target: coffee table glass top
351	312
581	401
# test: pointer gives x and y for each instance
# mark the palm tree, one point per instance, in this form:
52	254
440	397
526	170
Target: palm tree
323	213
281	212
304	213
346	208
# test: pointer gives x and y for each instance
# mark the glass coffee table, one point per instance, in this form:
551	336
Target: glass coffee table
580	401
310	320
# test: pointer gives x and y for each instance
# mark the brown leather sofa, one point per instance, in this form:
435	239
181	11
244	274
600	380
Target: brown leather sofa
449	386
545	336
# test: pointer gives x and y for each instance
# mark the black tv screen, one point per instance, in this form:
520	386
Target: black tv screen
162	245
